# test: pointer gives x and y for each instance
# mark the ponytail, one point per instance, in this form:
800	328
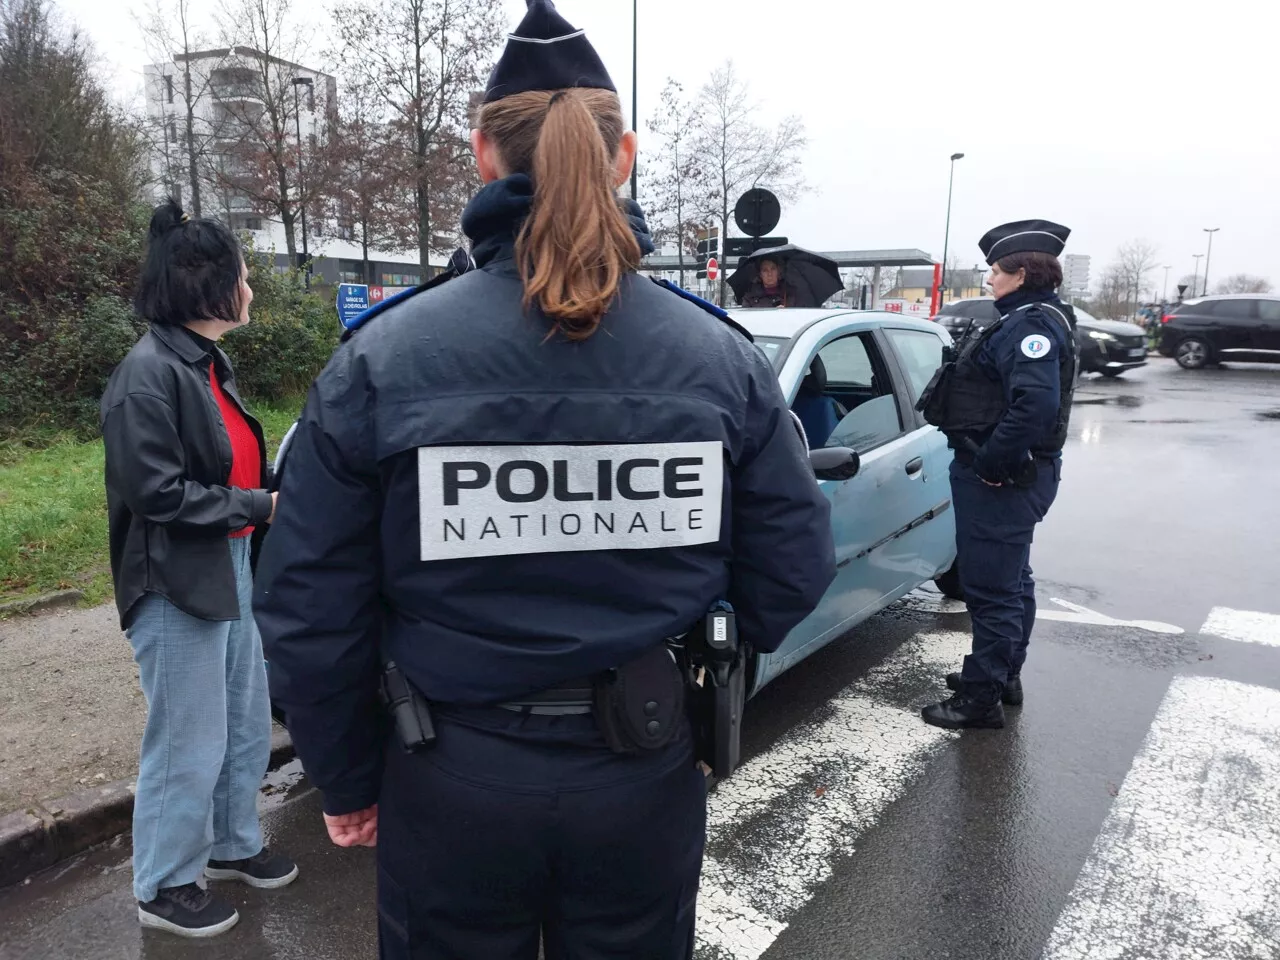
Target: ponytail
576	244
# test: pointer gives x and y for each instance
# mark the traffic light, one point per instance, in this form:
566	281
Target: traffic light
708	248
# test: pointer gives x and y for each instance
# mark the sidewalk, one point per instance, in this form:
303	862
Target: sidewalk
71	711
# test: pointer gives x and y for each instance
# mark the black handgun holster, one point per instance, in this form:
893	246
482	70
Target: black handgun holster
640	705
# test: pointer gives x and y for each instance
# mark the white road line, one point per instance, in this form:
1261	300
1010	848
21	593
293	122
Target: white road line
928	601
777	826
1187	866
1247	626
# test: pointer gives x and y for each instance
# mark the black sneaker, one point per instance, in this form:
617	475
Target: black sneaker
1011	697
188	911
964	713
264	870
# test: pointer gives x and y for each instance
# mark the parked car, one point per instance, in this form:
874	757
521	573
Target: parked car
853	378
1210	330
1108	347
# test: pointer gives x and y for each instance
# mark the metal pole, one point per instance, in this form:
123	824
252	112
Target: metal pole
1208	256
1164	297
635	86
946	240
1195	279
297	122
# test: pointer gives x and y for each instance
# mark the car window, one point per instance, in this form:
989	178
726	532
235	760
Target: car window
956	309
921	355
1269	310
859	382
1234	309
1198	309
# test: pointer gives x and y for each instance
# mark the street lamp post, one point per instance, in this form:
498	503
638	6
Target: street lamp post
635	99
1164	297
946	240
298	84
1195	279
1208	256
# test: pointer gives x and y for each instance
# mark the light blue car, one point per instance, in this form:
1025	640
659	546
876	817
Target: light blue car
853	379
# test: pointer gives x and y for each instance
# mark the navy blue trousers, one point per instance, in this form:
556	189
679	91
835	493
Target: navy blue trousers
514	829
994	530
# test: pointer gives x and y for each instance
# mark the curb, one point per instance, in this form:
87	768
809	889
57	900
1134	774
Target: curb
43	834
57	600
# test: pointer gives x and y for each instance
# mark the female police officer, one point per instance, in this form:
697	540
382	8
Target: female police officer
1005	410
513	485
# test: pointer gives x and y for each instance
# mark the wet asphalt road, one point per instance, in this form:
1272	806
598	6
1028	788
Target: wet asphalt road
986	845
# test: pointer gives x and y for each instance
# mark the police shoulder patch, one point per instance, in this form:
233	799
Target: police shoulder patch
1036	346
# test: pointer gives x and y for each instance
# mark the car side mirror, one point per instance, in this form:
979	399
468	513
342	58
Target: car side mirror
834	463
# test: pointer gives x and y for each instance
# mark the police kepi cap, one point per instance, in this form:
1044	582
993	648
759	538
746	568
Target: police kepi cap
1024	236
546	53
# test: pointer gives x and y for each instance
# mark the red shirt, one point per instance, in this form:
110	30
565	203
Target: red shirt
246	456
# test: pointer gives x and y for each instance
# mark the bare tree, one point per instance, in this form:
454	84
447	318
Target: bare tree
1111	299
424	58
172	39
367	202
1243	283
1135	260
261	158
673	177
737	154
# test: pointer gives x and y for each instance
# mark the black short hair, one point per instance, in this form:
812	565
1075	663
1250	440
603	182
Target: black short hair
1044	272
191	271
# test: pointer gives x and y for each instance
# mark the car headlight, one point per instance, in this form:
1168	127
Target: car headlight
1099	335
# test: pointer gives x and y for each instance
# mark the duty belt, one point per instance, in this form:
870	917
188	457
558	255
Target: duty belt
573	698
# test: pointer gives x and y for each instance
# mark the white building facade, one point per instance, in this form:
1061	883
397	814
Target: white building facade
226	88
1075	272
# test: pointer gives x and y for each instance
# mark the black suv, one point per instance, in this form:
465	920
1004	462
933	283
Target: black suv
1108	347
1210	330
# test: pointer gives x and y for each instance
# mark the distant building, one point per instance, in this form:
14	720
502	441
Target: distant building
226	87
1075	272
916	285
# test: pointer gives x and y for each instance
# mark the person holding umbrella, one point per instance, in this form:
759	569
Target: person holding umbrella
769	290
787	276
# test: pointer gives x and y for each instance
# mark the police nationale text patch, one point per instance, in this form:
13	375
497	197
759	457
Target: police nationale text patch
1036	346
496	501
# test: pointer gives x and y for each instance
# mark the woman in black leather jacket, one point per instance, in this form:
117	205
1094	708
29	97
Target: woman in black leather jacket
186	478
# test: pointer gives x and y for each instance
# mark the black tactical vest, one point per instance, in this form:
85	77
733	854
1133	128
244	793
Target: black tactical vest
962	399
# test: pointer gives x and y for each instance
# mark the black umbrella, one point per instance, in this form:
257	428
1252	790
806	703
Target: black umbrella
812	277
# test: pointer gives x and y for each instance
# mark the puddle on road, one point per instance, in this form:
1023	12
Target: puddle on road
1268	414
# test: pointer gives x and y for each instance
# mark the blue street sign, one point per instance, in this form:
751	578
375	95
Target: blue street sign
353	300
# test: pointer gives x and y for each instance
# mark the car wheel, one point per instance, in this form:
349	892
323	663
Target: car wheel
1193	354
949	583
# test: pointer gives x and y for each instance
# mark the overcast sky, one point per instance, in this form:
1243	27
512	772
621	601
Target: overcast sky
1120	118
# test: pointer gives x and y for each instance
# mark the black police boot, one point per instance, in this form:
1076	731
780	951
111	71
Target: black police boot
964	712
1010	697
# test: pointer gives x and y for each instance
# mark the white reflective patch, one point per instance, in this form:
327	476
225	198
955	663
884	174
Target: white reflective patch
1036	346
499	501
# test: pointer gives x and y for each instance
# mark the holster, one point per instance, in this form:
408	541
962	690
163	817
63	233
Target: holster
640	705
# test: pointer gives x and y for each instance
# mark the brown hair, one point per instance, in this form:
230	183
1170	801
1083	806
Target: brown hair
1043	270
576	243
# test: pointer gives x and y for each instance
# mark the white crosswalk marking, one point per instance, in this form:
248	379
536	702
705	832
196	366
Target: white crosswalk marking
1187	866
777	826
1247	626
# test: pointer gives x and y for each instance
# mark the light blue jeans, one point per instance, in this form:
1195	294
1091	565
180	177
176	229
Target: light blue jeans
207	741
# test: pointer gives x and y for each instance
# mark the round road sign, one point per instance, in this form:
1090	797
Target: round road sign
713	269
757	212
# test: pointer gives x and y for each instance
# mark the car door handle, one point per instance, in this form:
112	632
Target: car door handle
915	466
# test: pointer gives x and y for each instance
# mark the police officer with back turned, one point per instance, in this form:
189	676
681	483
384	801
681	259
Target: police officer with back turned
1004	400
509	492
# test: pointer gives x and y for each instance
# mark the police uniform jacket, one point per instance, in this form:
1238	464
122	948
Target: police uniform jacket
500	510
1025	356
